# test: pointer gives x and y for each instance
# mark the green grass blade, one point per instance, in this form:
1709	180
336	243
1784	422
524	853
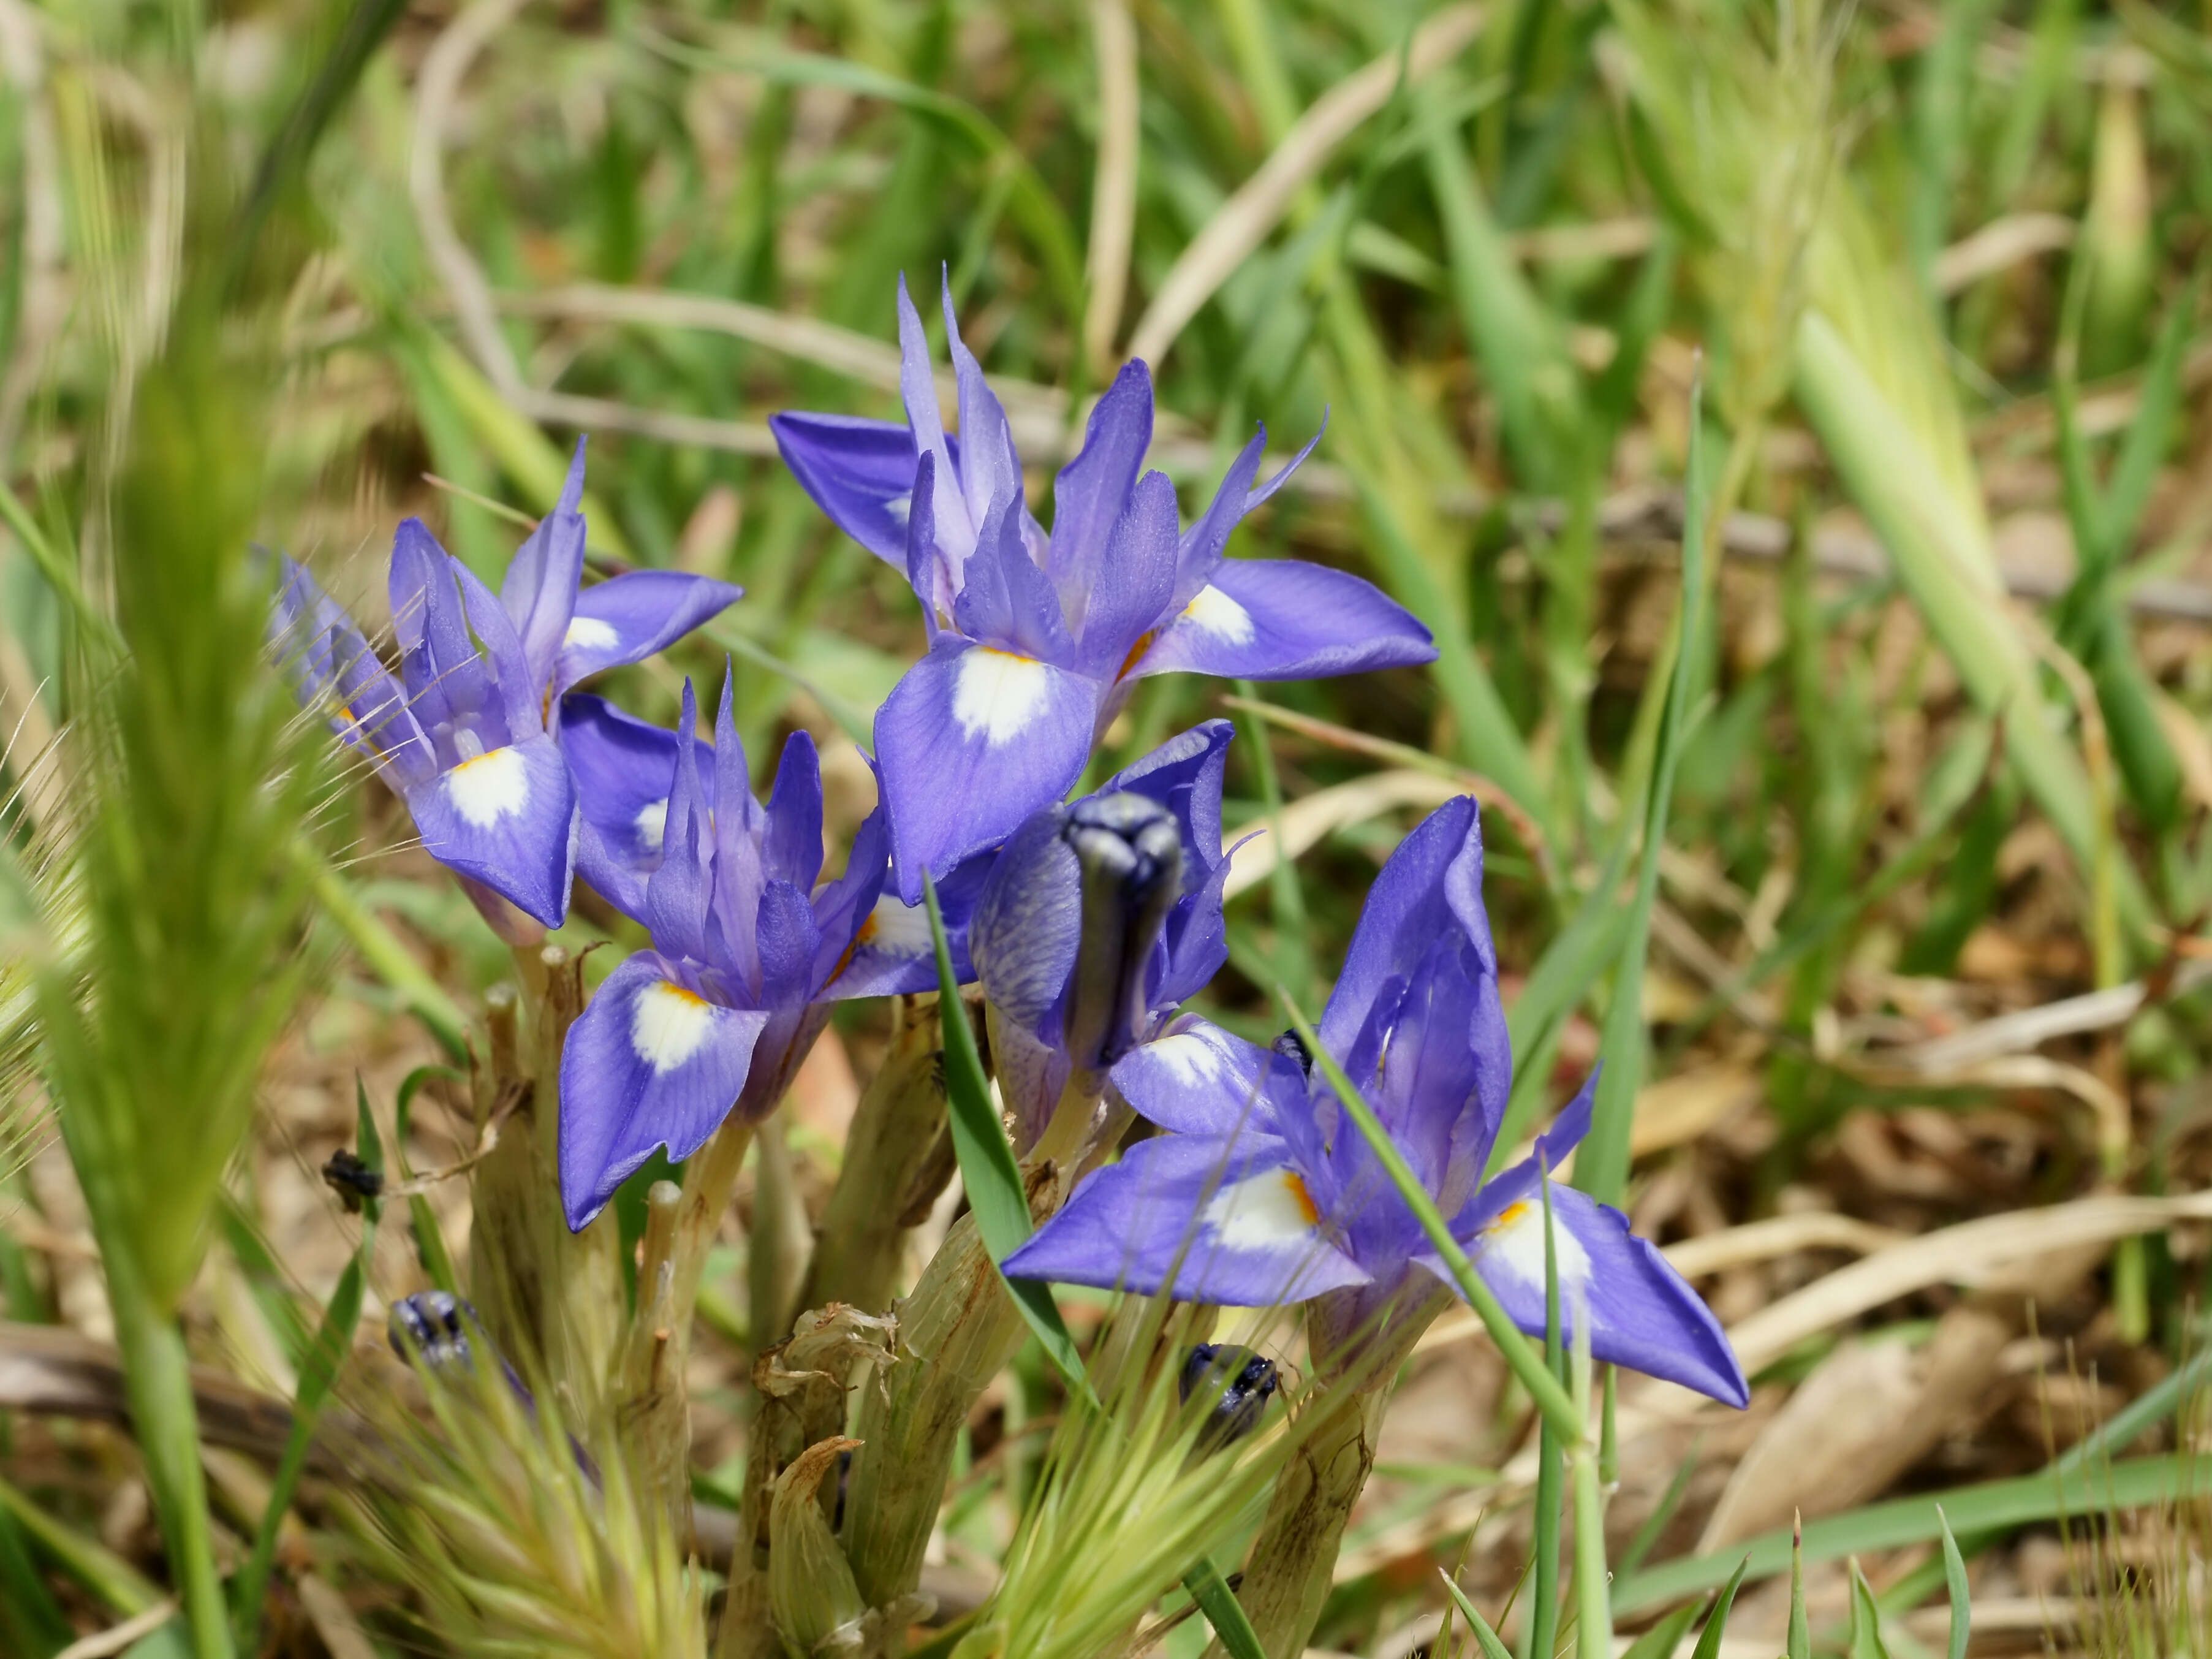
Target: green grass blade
1647	1535
1293	964
1493	1646
387	957
1030	200
1961	1595
1799	1644
1866	1642
2024	1500
117	1585
1663	1637
30	1618
1602	1163
1223	1611
1488	739
422	1220
2151	434
318	1375
1550	1484
1524	1359
332	1342
1941	557
1715	1630
1504	325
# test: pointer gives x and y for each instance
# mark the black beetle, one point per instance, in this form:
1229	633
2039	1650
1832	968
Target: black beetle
1237	1383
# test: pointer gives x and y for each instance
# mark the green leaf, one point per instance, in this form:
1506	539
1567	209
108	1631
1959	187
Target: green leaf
996	1194
1955	1580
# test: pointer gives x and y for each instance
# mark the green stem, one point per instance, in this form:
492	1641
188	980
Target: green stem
158	1385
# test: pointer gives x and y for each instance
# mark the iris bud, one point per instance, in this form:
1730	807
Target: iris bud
1129	854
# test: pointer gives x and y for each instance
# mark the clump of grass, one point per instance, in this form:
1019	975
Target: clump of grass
1131	1494
518	1533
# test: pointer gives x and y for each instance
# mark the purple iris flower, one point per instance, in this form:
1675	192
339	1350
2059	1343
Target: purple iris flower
748	948
1034	640
1099	917
461	732
1265	1194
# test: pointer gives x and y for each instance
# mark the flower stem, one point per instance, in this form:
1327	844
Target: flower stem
1294	1557
1292	1563
863	1232
653	1401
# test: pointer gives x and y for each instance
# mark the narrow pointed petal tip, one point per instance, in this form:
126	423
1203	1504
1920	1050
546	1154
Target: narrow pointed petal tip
1276	619
631	617
1202	1218
1643	1314
507	817
649	1063
970	742
860	472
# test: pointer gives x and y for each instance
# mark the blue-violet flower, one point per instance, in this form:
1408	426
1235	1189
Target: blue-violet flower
1036	640
1265	1194
461	732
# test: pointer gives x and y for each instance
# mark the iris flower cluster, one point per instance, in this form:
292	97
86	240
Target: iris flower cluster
1089	922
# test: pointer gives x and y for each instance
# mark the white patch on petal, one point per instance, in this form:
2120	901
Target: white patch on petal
668	1023
652	823
491	787
1193	1057
1214	612
1514	1245
997	696
590	634
900	508
1263	1212
900	930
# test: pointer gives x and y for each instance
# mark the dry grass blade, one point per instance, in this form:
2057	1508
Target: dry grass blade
1307	822
2030	1028
1972	1253
1114	187
1245	219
